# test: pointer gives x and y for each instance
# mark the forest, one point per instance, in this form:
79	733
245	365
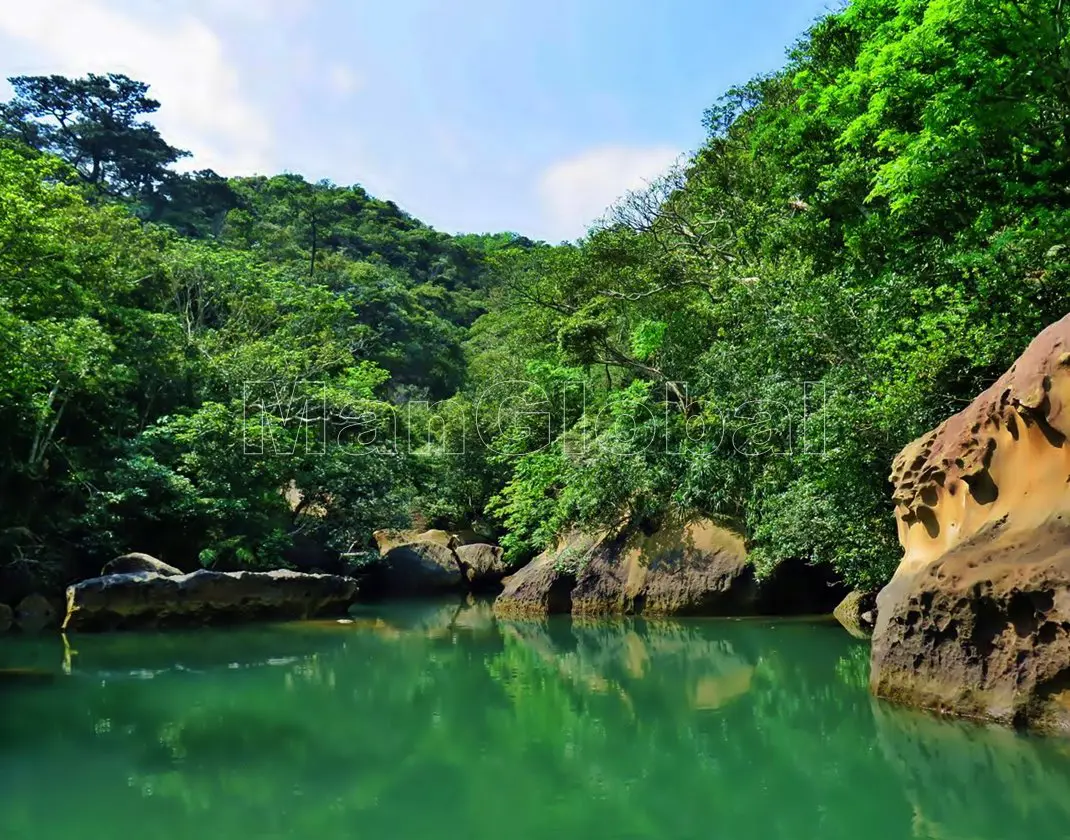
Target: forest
866	239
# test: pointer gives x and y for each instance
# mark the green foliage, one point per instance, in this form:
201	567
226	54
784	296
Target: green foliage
94	123
211	387
866	239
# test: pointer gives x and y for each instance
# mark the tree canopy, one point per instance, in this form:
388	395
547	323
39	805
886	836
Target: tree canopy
866	239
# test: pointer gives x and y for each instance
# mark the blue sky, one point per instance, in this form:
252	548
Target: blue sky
472	115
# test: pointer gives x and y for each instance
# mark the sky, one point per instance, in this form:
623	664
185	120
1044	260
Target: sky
475	116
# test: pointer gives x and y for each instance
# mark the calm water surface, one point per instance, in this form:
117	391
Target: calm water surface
433	721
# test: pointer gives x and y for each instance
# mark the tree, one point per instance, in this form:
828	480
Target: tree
94	123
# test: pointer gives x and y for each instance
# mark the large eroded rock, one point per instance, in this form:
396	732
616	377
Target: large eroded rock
683	568
692	568
150	599
976	620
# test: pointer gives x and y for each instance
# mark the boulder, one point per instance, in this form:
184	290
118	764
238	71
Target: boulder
151	599
35	613
976	619
7	618
482	565
419	567
544	586
683	568
138	562
856	613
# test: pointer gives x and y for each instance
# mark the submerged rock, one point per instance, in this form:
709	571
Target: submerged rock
856	613
19	677
138	562
147	598
976	619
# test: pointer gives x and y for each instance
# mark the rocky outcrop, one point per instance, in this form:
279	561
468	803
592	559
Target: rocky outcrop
976	620
682	568
482	565
137	562
203	597
690	568
857	613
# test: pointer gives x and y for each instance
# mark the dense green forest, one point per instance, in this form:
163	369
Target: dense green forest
866	239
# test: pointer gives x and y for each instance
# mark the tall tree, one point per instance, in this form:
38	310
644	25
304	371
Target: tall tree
95	123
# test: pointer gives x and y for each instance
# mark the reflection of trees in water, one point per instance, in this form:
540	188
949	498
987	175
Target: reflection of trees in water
967	781
430	715
757	716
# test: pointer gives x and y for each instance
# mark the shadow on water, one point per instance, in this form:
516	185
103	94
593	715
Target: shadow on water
409	718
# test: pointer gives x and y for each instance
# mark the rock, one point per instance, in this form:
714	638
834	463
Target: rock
420	567
387	539
976	619
482	565
544	586
690	568
147	598
469	537
7	618
855	613
138	562
35	613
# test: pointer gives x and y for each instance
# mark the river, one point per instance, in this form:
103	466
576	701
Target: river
436	721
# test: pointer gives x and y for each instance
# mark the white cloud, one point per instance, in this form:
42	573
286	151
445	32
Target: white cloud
343	80
577	191
257	11
203	107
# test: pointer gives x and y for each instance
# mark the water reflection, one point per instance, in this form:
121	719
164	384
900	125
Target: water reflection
433	720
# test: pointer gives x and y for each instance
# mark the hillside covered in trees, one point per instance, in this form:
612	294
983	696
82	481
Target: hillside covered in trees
867	238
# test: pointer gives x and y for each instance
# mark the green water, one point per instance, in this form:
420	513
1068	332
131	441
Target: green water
436	722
